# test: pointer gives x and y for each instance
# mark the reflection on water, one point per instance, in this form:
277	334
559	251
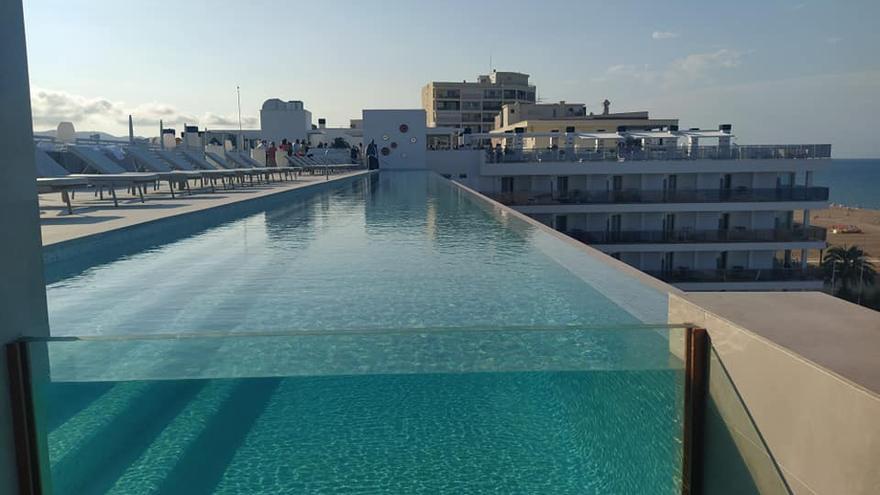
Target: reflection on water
398	250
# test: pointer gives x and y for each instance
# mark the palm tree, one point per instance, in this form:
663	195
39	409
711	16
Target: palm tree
849	266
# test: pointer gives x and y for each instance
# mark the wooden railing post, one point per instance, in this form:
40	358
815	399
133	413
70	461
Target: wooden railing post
696	392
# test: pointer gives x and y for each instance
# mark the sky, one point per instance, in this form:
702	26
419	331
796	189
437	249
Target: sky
780	71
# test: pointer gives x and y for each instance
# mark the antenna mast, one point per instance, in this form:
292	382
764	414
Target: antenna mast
240	133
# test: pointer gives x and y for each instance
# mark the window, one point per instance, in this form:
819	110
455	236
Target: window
447	93
509	94
492	105
470	105
569	128
492	93
507	184
448	105
462	176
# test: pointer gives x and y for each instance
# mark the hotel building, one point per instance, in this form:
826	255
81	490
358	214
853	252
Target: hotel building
689	207
473	106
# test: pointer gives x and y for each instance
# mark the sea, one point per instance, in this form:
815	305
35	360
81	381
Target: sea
853	182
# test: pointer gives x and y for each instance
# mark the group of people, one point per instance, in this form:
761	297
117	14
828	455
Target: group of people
297	147
301	148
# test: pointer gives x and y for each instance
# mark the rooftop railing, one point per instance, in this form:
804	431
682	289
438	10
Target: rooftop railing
795	193
733	152
691	275
685	235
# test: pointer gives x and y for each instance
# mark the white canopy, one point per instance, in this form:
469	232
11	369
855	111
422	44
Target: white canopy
705	134
599	135
651	134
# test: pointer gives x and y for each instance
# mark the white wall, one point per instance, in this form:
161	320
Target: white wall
405	150
288	124
22	289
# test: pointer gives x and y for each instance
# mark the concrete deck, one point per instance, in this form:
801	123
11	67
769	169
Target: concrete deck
92	216
837	335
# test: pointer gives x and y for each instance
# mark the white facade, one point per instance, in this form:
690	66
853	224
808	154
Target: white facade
702	224
284	120
399	135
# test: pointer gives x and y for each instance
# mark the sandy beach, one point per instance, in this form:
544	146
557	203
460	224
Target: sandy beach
868	221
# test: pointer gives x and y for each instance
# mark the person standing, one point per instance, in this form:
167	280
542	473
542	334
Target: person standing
373	155
270	155
353	154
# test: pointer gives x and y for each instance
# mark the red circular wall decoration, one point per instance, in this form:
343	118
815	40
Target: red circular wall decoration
385	151
394	145
404	128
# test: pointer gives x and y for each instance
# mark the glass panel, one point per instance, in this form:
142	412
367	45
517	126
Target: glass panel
737	461
515	410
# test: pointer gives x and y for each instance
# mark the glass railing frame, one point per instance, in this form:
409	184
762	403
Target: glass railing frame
696	352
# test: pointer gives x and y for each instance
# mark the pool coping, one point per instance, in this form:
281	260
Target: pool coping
136	237
595	253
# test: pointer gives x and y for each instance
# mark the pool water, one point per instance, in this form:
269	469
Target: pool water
393	335
550	433
403	250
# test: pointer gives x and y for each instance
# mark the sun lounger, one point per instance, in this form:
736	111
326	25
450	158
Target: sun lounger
245	161
179	162
52	177
228	164
198	158
146	160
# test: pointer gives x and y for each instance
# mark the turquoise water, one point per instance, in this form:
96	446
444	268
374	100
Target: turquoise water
432	345
852	182
402	251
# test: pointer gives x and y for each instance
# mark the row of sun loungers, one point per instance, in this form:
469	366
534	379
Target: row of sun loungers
312	166
143	167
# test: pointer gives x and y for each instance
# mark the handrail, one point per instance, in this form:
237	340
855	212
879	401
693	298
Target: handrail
622	154
684	235
576	196
351	331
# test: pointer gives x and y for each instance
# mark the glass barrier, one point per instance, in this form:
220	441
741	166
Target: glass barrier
516	410
735	458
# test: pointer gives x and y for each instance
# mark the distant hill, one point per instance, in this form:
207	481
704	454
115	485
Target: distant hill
87	135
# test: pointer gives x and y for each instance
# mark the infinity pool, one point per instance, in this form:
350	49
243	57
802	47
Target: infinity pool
392	335
404	250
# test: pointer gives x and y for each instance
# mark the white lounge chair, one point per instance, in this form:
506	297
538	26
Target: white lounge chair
179	162
144	159
110	174
52	177
198	158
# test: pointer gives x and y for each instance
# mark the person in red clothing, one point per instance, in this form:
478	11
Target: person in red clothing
270	155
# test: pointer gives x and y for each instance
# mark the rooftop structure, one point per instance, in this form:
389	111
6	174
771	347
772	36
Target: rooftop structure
472	106
515	112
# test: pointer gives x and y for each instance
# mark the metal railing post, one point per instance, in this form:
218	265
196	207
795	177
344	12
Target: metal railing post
23	419
696	392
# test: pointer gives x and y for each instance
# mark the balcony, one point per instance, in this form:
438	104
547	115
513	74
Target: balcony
740	195
733	152
690	275
687	236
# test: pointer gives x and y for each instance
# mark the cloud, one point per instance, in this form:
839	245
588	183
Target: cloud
833	40
49	107
682	71
664	35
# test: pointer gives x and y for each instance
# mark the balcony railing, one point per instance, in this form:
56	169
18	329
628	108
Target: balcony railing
797	234
684	275
734	152
797	193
